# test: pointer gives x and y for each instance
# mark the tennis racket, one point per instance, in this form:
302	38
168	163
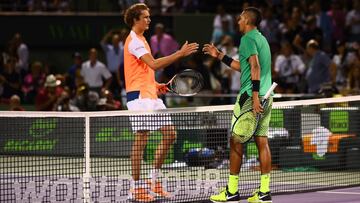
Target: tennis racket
263	104
186	83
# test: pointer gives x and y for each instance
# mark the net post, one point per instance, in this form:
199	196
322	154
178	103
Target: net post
87	172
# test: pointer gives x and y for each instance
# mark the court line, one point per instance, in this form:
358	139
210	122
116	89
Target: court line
342	193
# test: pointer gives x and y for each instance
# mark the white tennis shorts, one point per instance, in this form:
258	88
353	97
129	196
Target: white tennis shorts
148	122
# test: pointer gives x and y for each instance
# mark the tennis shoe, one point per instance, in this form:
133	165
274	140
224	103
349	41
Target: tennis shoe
141	195
260	197
225	196
158	189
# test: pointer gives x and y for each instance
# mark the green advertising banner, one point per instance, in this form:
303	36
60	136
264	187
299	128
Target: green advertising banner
339	121
277	118
109	136
42	136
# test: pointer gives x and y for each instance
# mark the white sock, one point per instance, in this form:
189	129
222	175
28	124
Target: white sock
137	183
154	174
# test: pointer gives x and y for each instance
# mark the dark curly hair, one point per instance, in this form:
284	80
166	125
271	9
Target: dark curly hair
134	12
255	15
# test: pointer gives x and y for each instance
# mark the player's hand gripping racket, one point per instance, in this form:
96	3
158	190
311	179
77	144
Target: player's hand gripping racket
186	83
263	104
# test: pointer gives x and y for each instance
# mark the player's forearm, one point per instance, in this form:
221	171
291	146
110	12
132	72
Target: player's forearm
254	67
165	61
255	95
235	64
255	72
255	76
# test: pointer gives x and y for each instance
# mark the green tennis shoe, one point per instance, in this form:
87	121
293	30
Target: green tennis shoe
225	196
260	197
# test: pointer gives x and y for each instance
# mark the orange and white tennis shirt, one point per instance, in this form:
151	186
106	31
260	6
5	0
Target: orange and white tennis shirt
138	75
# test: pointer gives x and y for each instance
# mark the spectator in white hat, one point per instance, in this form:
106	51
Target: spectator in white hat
47	96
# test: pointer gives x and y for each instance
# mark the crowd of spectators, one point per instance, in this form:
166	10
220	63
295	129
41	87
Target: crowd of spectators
157	6
36	5
314	44
86	86
315	49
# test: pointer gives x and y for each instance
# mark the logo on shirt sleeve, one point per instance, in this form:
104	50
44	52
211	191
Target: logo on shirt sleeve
139	48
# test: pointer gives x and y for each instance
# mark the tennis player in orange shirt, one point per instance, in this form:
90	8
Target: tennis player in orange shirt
142	95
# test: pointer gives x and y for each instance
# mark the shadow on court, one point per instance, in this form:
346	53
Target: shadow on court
344	195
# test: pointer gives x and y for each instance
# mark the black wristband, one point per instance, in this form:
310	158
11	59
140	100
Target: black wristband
256	85
227	60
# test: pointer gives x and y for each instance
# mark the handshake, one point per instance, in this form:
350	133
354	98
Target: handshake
191	48
210	50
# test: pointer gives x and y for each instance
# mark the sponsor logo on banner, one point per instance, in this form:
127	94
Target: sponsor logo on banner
38	137
187	184
339	121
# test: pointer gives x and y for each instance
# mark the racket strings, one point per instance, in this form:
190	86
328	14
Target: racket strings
188	83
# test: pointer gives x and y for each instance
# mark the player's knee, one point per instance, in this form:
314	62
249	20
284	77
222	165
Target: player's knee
263	145
169	134
170	138
141	137
236	145
261	141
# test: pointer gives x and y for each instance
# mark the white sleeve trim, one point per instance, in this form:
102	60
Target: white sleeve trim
137	48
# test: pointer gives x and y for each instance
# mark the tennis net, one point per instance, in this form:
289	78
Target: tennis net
85	156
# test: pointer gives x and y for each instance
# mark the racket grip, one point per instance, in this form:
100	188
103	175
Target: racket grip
270	90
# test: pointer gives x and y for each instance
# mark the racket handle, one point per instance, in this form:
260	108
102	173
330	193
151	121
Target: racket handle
270	90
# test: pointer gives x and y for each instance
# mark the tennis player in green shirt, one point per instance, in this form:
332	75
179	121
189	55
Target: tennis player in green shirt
255	66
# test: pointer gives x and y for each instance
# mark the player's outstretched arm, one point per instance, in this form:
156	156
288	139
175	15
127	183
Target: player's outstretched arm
211	50
162	62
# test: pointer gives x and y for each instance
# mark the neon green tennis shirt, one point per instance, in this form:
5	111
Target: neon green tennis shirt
254	43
